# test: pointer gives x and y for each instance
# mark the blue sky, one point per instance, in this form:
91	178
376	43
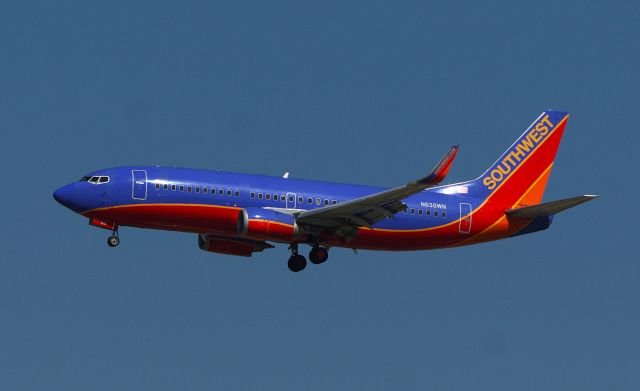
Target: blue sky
363	92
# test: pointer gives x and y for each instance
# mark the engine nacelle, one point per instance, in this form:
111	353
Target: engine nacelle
266	224
231	246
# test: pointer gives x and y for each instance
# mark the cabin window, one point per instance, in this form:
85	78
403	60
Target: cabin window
435	213
267	196
181	187
404	211
165	186
197	189
444	214
420	212
318	201
157	186
173	187
189	188
220	191
326	202
205	190
309	200
291	198
237	193
300	200
228	192
428	213
260	196
413	211
282	197
275	197
333	202
252	194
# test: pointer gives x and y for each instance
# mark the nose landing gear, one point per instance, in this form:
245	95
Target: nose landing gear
114	239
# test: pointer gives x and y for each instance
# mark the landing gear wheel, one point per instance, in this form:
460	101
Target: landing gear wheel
297	263
113	241
318	255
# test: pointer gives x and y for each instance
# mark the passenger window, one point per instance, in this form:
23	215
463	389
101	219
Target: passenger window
157	186
444	214
228	192
173	187
291	198
300	200
165	187
333	202
318	201
282	197
197	189
267	196
221	191
237	193
420	212
309	200
205	190
189	189
275	197
428	213
260	196
326	202
413	211
181	187
252	194
435	213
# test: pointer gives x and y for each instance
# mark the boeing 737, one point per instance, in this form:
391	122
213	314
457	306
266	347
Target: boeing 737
239	214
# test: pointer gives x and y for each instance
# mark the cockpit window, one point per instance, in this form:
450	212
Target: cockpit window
96	180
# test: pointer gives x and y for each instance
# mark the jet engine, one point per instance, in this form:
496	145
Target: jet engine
231	246
267	224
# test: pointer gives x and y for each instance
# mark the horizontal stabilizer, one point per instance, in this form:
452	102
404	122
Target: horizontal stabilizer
549	208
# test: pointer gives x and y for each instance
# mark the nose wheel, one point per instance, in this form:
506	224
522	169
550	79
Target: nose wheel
114	239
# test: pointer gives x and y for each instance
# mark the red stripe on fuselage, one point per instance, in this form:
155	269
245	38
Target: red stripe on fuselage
213	219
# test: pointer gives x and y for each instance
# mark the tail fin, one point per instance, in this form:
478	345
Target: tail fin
520	175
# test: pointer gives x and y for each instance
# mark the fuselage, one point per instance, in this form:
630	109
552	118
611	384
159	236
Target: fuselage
207	202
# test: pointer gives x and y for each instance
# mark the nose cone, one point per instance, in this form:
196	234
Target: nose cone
65	195
70	197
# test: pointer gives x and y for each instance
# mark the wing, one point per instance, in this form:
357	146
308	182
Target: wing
344	219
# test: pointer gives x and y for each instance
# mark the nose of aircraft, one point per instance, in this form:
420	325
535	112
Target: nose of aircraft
65	195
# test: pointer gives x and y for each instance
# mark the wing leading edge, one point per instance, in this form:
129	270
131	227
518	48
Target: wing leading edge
344	219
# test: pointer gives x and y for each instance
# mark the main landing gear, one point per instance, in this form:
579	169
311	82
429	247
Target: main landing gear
114	239
297	262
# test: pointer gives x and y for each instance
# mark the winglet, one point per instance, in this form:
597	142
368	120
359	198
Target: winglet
441	169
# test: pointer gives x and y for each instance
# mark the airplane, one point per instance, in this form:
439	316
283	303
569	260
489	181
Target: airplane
239	214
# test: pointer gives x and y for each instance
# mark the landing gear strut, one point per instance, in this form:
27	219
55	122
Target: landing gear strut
318	255
296	262
114	239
